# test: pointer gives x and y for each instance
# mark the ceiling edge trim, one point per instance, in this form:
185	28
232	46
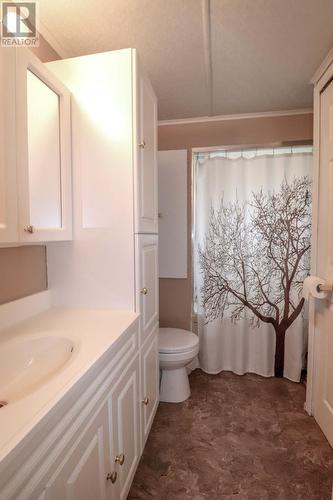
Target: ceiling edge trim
52	41
241	116
322	68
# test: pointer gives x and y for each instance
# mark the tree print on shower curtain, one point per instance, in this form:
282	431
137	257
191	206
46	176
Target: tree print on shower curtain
255	258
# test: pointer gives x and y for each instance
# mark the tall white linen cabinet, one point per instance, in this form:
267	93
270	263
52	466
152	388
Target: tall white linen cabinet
112	260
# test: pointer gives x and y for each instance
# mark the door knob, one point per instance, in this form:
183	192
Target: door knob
142	144
120	459
144	291
29	229
112	476
145	401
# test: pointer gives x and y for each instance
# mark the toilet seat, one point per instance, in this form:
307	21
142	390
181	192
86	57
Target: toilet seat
174	358
176	341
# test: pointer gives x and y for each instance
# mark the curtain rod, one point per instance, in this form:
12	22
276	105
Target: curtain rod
241	147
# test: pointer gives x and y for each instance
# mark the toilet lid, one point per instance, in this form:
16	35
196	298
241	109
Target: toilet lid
176	340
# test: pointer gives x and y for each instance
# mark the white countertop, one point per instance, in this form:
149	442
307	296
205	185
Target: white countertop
92	332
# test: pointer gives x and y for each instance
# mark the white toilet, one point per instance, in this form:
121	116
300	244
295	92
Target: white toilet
177	348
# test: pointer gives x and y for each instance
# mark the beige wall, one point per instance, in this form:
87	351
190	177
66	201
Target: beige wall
176	294
23	269
22	272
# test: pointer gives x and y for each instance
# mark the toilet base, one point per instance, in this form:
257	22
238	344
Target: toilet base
175	386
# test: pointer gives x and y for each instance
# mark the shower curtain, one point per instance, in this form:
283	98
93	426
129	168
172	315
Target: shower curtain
251	253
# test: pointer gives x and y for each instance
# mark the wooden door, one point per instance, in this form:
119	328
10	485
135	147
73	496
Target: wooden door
8	192
323	316
146	263
149	384
146	206
85	467
124	418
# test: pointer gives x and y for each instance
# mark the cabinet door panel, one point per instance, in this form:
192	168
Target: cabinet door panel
8	192
146	218
82	474
124	412
43	152
146	261
149	383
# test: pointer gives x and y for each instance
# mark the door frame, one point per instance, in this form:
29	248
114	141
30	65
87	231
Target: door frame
321	78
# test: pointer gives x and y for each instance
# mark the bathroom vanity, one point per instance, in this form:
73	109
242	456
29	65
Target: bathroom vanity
80	432
88	189
80	379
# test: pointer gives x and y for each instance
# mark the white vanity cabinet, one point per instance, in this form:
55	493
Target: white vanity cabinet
146	266
101	463
35	162
88	447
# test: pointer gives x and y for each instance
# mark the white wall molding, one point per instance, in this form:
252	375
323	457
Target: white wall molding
322	68
55	45
241	116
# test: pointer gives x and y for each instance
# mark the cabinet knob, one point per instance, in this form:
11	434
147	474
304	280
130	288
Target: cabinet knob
112	476
144	290
29	229
142	144
120	459
145	401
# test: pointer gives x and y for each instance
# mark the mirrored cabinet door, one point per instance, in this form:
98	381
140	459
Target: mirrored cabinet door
44	162
43	152
8	194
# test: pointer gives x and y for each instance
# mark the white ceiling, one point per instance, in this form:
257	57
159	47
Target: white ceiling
244	56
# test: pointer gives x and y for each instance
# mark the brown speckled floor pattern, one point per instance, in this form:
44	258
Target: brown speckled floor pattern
236	438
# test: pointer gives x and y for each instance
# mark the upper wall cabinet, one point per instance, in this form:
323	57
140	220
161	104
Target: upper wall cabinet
43	152
114	142
146	172
114	126
36	157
